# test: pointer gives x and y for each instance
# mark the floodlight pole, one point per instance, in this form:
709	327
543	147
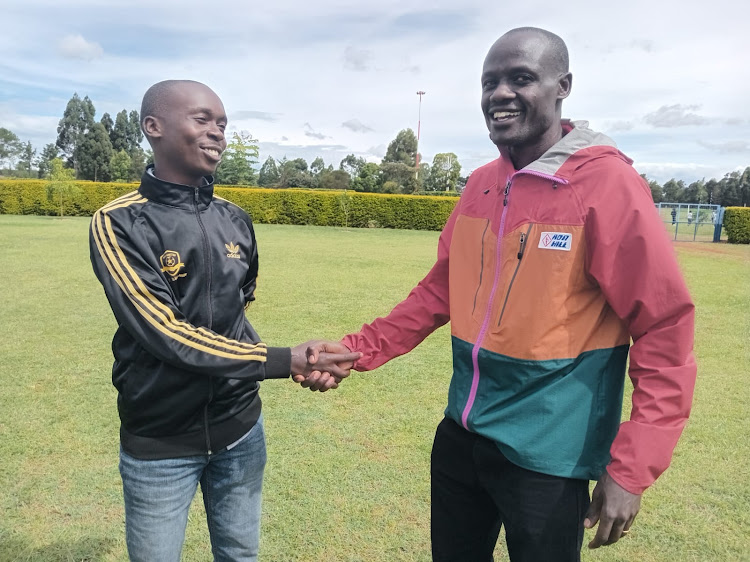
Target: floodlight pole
420	93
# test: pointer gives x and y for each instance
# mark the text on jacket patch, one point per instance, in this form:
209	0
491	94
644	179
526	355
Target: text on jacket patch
555	241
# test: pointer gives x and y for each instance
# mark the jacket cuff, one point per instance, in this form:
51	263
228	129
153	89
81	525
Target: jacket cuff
278	362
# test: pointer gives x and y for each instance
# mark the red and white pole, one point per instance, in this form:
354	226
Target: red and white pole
420	93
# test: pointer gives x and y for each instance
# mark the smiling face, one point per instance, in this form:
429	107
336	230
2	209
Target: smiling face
523	86
187	135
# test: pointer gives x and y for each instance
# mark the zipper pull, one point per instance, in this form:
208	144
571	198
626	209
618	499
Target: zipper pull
196	196
523	245
505	193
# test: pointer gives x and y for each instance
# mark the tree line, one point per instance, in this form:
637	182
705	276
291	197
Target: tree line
733	190
111	150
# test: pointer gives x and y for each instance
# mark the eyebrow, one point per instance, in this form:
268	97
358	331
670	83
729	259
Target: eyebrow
207	111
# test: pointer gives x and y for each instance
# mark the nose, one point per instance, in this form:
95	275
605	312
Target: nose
502	92
216	132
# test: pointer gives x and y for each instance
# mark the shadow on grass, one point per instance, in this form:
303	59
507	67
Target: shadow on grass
90	549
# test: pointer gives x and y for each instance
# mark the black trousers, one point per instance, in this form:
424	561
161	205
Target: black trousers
476	491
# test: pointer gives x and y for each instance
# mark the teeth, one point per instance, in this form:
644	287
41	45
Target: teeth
212	151
505	114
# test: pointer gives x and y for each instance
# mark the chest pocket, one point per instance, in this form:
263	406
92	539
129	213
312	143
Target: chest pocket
546	290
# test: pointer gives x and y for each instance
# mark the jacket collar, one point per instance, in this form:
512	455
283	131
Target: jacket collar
576	137
175	194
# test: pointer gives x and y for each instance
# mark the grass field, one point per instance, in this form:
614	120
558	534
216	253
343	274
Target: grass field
348	471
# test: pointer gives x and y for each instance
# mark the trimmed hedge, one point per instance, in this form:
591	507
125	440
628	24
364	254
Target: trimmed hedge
272	206
737	224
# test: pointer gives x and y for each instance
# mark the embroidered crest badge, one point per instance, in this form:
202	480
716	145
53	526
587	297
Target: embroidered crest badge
172	265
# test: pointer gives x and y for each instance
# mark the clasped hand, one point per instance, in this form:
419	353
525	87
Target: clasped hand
322	365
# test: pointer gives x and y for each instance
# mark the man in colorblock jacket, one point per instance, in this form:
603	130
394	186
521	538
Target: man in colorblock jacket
553	260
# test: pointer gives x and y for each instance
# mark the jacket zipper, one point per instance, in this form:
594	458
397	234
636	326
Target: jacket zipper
498	267
207	261
521	249
485	323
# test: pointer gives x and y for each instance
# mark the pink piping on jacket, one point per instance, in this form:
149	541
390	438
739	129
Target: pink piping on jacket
498	268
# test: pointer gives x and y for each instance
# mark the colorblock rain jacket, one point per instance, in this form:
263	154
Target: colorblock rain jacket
178	266
546	273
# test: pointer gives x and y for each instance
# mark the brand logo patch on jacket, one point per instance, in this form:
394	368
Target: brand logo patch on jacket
172	265
555	241
234	250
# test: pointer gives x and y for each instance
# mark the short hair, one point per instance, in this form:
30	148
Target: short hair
556	48
157	97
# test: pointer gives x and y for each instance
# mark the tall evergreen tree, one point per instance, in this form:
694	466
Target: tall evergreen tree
269	173
403	148
94	153
77	120
106	120
120	136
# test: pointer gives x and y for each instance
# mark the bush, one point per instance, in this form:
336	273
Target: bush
737	224
272	206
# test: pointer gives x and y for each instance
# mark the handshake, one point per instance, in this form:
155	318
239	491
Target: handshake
321	365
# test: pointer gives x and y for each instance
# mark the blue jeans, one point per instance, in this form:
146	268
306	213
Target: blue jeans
158	494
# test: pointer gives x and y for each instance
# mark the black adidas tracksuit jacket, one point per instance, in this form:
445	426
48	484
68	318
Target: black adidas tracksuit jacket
178	266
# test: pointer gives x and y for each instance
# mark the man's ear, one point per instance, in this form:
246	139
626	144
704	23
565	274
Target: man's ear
152	127
564	85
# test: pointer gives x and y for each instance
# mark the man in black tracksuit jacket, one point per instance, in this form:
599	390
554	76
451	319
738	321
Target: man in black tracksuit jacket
179	266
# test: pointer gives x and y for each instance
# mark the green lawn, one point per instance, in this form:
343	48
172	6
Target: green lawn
348	471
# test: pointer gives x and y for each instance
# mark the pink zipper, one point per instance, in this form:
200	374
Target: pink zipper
485	324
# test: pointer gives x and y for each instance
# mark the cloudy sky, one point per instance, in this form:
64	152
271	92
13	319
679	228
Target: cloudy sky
669	80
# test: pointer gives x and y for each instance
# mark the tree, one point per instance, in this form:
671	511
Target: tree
43	163
403	149
399	173
61	184
77	120
137	163
317	166
236	166
119	166
334	179
293	173
368	178
10	147
444	172
269	173
352	165
106	120
317	170
656	192
120	132
673	191
696	192
93	154
135	134
713	191
26	159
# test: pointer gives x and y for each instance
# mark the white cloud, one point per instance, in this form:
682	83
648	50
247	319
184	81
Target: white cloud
675	116
727	147
357	126
76	47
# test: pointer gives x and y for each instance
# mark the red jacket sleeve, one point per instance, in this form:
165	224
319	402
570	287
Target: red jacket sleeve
631	258
413	319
